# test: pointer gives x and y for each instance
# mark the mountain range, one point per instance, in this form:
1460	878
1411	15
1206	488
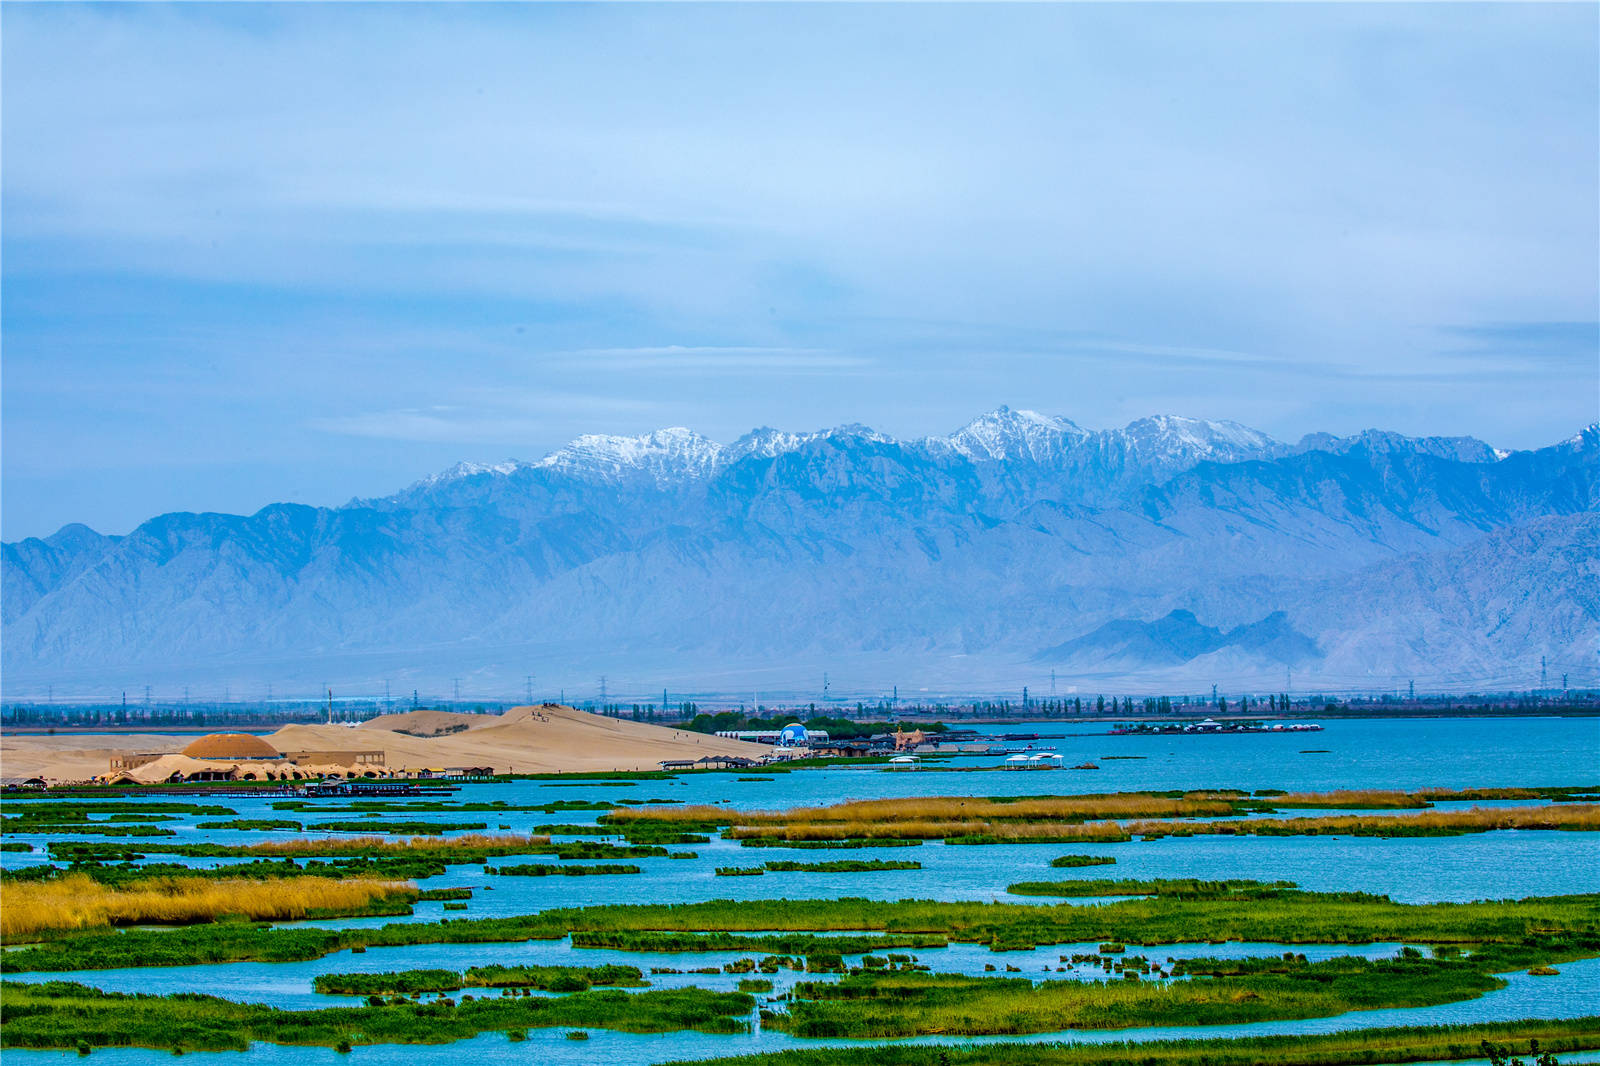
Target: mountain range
1169	555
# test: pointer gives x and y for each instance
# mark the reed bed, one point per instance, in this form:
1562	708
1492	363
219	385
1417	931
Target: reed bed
412	828
1356	799
962	832
77	901
842	866
1110	817
478	844
59	1014
1572	817
1187	888
1569	816
122	875
1349	1048
540	978
926	809
1516	933
877	1004
538	869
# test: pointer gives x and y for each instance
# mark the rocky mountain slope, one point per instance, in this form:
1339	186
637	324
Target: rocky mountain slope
1172	552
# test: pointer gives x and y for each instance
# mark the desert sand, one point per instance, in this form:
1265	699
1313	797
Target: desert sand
542	739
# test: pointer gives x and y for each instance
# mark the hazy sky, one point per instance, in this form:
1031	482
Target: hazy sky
257	253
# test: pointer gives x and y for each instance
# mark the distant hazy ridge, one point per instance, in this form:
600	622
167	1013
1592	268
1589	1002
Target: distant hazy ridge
1173	552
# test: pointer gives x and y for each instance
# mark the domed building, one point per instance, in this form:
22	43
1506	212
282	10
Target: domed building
244	757
792	735
231	747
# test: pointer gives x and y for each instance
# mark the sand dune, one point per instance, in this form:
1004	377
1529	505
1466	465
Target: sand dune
69	757
546	739
542	739
428	722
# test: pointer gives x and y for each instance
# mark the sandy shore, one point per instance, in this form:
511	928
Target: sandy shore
547	739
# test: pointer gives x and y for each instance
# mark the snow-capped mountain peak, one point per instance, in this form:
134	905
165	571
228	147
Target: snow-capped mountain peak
664	455
469	469
1196	437
1004	434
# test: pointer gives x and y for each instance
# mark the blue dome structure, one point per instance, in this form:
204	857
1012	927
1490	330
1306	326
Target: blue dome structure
792	735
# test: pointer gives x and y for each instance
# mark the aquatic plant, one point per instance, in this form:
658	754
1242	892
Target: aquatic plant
1356	1047
558	870
542	978
58	1014
76	901
1182	888
842	866
1518	933
879	1004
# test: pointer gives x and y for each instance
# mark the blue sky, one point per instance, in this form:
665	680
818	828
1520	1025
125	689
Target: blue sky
258	253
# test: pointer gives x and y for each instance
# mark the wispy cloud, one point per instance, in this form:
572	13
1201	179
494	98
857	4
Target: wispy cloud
1554	342
489	416
678	358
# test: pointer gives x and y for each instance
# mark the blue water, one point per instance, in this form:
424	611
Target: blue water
1359	754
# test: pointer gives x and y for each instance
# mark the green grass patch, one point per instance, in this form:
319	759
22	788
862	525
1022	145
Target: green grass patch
842	866
396	828
1351	1048
262	824
1517	933
1174	888
906	1003
436	894
539	978
537	869
60	1014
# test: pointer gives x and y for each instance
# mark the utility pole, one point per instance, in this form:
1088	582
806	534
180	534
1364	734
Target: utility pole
1411	691
386	693
457	682
602	693
330	705
1052	684
147	695
824	686
528	680
1543	683
663	701
269	691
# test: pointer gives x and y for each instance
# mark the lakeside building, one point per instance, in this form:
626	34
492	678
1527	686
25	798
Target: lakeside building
793	735
242	757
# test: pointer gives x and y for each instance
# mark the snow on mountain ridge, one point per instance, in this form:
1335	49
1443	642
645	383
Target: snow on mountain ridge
665	454
467	468
1197	436
1005	435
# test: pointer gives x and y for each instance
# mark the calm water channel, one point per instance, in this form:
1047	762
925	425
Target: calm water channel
1352	754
